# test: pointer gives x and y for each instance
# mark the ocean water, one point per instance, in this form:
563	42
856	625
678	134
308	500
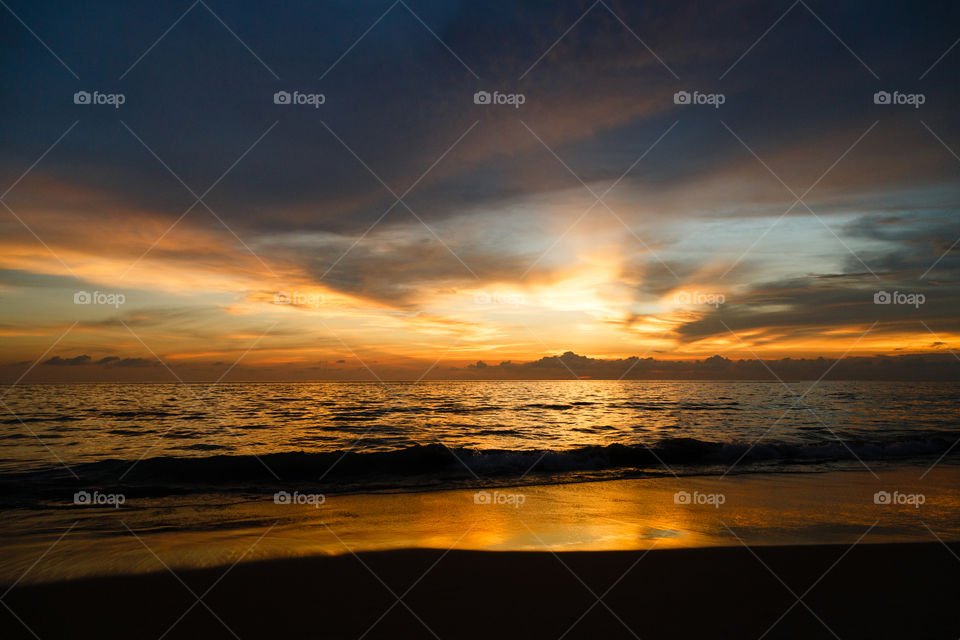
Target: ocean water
110	478
162	439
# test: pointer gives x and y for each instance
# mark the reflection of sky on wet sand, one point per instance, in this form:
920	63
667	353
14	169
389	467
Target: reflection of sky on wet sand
785	509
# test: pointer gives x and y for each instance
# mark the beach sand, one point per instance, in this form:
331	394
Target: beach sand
874	591
197	531
492	568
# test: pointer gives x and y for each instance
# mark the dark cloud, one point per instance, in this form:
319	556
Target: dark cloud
570	365
113	361
108	361
399	99
76	361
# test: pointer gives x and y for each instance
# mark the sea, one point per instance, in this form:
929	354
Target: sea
186	460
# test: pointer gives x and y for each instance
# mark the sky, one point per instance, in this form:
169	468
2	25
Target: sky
334	190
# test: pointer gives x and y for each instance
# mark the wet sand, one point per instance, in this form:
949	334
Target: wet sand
874	591
530	570
199	531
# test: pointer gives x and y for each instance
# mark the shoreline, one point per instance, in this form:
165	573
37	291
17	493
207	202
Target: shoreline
209	530
860	591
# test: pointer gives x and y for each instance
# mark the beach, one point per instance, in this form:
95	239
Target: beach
869	591
711	525
197	531
699	556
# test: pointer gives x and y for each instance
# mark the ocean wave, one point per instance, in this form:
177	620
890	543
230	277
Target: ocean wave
439	465
39	418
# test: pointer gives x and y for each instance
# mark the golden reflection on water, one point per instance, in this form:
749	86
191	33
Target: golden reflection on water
636	514
123	422
810	508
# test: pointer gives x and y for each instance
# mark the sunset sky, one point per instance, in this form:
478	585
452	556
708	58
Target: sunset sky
408	226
